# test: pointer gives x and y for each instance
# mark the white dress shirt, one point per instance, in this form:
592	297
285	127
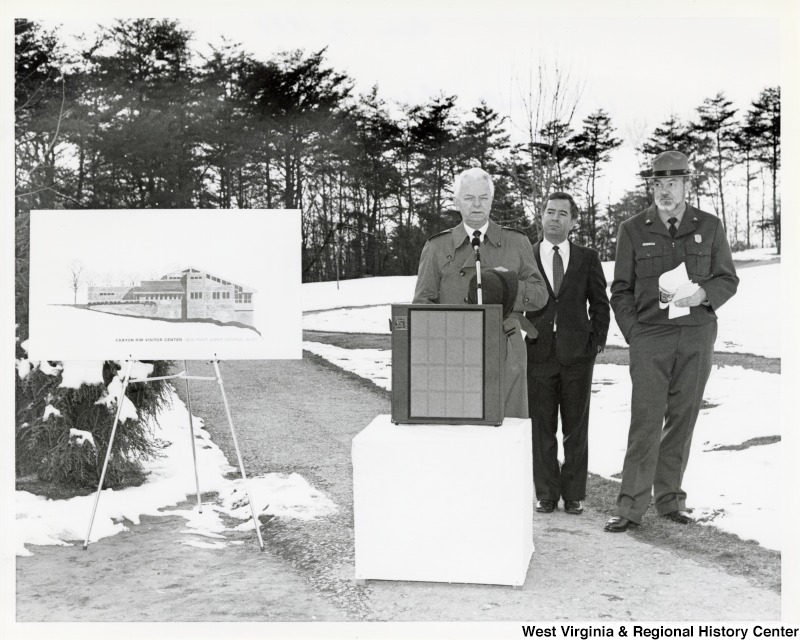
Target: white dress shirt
546	254
469	231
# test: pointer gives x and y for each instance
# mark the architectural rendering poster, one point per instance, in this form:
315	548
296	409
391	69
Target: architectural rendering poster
165	284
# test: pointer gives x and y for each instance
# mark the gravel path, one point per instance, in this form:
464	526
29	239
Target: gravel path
301	416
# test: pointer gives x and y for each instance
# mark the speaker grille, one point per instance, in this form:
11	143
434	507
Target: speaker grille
446	358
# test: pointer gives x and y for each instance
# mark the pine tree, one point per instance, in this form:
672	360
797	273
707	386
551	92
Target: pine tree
717	127
746	138
675	135
484	142
147	86
589	150
228	149
766	120
631	203
434	142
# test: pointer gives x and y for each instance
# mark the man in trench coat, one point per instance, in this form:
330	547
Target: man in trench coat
447	264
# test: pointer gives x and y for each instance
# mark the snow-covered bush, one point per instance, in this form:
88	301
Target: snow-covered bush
64	422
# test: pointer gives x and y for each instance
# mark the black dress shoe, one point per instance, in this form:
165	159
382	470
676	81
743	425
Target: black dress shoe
681	517
573	506
545	506
618	524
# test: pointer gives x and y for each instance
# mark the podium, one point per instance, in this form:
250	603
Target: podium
443	503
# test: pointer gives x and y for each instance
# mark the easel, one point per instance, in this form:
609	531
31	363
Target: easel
126	380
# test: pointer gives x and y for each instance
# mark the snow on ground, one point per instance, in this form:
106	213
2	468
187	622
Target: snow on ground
78	372
353	320
745	326
761	253
358	293
373	364
724	486
400	289
171	480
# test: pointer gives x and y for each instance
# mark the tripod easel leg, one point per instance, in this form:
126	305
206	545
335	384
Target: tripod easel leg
238	454
121	399
191	435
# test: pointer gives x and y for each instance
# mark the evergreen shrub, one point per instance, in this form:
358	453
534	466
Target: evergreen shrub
46	448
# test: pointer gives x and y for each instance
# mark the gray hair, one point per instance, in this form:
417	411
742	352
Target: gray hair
472	172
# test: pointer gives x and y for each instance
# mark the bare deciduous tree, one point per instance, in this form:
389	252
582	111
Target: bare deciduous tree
549	100
75	279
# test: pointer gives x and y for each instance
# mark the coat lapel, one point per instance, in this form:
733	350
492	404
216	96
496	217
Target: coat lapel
490	248
576	258
537	253
688	222
653	222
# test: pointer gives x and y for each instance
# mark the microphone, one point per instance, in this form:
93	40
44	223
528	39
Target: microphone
476	246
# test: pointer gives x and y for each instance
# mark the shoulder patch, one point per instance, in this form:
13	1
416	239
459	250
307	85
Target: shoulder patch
522	233
436	235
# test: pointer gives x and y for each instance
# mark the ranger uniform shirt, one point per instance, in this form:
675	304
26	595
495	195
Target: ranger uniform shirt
645	250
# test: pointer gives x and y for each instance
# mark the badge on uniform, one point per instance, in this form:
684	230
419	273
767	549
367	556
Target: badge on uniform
648	244
698	238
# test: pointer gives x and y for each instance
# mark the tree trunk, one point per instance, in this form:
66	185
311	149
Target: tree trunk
776	218
720	189
747	191
763	202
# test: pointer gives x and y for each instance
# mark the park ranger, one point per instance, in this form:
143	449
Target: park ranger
670	353
447	265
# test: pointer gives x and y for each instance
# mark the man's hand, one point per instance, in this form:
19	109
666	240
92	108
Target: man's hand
694	300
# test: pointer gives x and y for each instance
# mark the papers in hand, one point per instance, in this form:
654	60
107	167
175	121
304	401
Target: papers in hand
675	285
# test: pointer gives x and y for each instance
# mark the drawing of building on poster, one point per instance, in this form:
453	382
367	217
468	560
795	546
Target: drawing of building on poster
177	284
188	294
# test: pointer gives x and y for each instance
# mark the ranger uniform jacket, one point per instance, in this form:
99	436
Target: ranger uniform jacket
645	250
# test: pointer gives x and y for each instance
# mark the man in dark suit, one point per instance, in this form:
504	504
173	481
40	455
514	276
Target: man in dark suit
561	358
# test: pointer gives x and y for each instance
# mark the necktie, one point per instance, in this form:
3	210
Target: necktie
672	228
477	235
558	270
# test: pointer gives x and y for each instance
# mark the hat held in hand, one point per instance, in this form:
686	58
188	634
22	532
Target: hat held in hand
499	286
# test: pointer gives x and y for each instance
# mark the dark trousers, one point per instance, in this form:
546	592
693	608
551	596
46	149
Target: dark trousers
669	367
568	388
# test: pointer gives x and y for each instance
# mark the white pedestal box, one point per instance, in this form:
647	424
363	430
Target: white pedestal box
443	503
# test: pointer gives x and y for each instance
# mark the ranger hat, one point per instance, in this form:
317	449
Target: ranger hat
499	286
669	164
